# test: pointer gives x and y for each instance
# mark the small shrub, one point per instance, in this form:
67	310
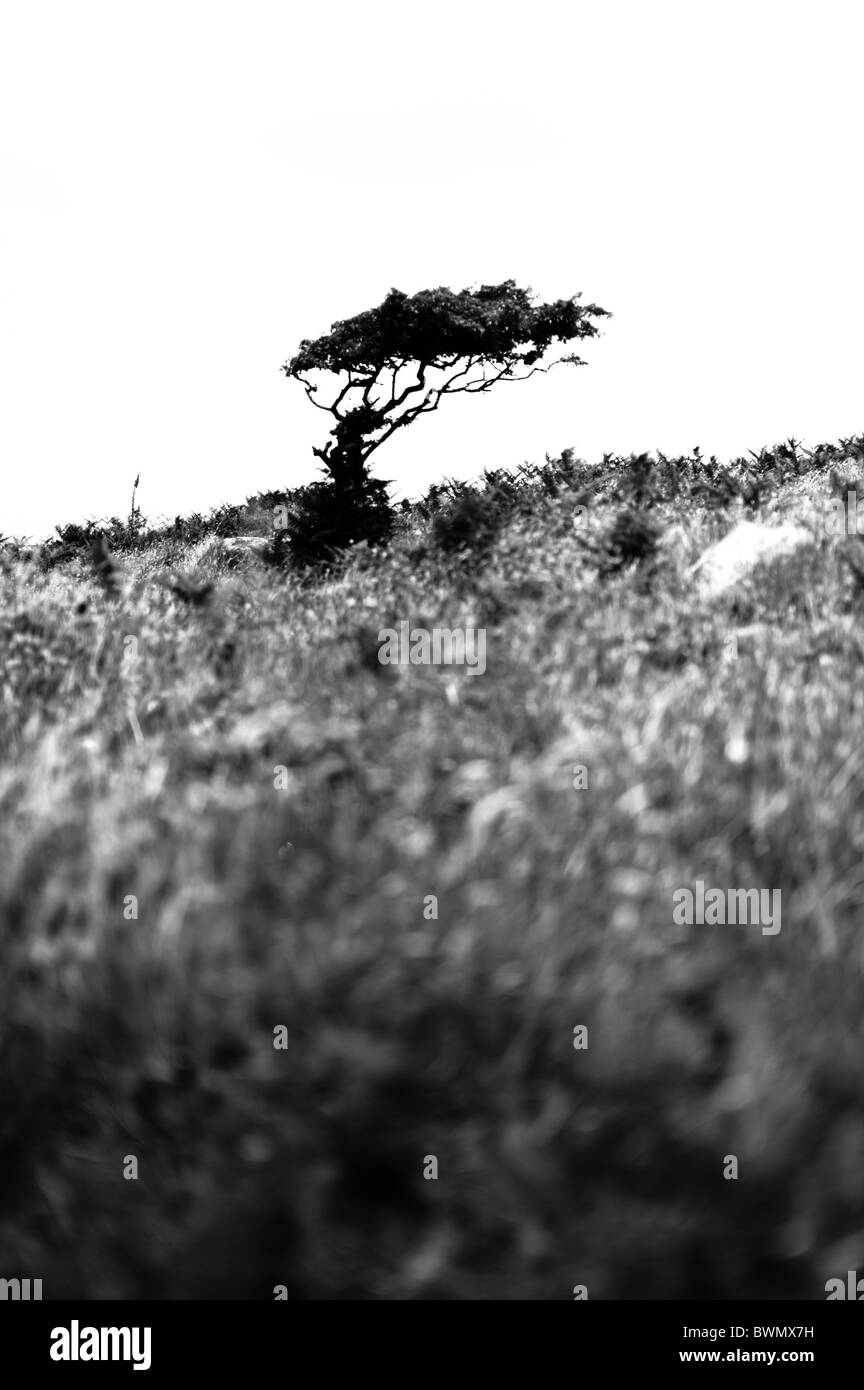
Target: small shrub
324	520
632	540
469	523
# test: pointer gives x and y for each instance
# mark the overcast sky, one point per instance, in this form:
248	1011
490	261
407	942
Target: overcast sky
187	189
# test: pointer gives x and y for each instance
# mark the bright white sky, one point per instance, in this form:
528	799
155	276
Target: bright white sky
187	189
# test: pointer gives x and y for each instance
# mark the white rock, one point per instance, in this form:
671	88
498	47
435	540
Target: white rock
747	545
239	547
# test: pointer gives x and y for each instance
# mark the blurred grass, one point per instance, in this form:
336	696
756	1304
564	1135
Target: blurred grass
153	775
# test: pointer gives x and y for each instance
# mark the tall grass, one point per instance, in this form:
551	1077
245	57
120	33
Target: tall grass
225	819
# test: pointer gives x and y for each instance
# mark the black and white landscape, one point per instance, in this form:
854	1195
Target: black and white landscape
431	829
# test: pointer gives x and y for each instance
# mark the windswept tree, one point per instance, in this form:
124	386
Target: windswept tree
377	372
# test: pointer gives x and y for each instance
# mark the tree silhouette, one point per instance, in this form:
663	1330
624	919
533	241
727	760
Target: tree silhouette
400	360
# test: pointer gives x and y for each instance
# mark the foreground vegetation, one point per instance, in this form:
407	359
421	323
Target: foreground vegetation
234	765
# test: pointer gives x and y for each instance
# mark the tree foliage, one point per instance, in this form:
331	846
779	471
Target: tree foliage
399	360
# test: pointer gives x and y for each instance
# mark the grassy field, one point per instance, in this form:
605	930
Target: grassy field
223	819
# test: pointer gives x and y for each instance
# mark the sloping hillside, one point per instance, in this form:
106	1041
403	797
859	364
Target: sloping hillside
223	825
